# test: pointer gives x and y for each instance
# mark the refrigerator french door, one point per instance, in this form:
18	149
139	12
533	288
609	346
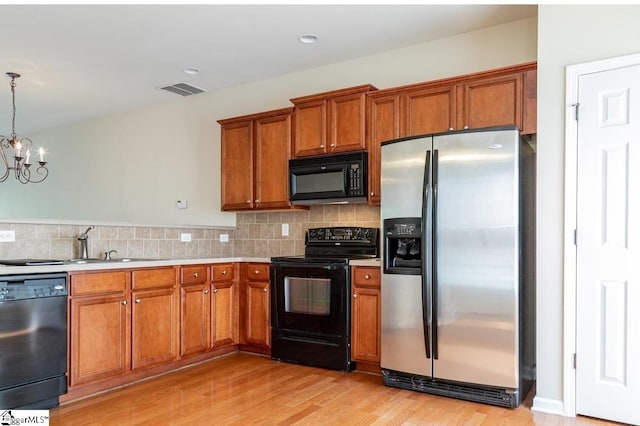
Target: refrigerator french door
455	319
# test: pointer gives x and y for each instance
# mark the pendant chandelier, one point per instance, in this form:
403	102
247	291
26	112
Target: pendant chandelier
16	152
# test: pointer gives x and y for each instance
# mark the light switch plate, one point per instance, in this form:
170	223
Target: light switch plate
285	229
7	236
185	237
224	238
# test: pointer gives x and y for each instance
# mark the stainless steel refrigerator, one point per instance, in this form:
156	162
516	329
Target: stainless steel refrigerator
458	282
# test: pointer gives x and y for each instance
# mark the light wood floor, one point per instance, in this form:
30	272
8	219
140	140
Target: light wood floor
242	389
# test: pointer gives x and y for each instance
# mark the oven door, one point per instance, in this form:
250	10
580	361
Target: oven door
310	298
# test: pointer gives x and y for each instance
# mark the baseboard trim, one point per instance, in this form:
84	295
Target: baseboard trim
549	406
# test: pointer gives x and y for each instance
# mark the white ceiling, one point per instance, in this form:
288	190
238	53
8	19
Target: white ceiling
81	61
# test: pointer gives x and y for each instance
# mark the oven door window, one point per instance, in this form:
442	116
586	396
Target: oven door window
310	299
307	296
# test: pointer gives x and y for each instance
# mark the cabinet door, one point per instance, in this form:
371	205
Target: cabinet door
195	317
347	123
429	110
224	315
384	125
272	151
257	326
495	101
99	338
365	314
155	327
310	128
530	104
237	166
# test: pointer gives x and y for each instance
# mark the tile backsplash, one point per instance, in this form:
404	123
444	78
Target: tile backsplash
258	234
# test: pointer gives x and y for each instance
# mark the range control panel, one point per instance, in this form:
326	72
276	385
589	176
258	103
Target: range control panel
343	234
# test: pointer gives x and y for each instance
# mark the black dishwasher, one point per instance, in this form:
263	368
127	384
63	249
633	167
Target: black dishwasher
33	340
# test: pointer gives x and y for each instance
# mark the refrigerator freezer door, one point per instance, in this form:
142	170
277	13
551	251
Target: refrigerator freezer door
477	258
403	332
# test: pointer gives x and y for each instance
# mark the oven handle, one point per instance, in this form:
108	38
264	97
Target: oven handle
311	266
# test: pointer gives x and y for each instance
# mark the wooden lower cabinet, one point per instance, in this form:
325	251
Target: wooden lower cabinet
224	305
257	327
195	317
114	329
365	317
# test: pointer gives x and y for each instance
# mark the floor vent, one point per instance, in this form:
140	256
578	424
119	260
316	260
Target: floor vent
183	89
486	395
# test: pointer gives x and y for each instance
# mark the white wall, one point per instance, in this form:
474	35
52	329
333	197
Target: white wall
132	167
566	35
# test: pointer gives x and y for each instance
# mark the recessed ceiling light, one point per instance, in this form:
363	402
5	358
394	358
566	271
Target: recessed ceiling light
191	71
308	38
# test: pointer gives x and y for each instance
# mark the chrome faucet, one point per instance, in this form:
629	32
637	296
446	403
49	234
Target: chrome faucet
84	249
107	254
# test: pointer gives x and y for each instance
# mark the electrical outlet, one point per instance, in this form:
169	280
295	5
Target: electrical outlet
285	229
185	237
224	238
7	236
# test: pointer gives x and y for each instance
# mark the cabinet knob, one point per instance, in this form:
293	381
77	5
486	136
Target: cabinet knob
124	302
321	146
248	201
257	201
333	145
195	275
355	296
466	127
215	290
367	277
264	289
224	272
373	193
451	129
256	272
206	291
138	300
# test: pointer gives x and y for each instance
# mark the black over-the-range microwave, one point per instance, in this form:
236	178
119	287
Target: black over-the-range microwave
338	178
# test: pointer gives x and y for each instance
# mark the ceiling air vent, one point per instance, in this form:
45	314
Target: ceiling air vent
183	89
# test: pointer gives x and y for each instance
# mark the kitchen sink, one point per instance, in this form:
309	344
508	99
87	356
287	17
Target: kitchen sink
112	260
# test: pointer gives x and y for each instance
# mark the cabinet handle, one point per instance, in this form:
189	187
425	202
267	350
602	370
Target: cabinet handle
124	302
264	289
215	290
138	300
206	291
355	296
466	127
195	275
224	272
367	277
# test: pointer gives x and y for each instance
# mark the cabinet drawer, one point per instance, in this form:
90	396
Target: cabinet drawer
222	272
258	271
149	278
369	276
193	274
104	282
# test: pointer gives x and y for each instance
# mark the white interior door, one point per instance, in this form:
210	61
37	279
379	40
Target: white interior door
608	245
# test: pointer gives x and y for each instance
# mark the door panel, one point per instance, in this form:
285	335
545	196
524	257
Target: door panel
608	273
477	258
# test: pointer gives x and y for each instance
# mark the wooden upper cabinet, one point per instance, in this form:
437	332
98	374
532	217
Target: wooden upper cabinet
272	152
384	124
430	110
494	101
330	122
255	153
237	165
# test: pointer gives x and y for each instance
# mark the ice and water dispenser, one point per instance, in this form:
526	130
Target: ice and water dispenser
403	248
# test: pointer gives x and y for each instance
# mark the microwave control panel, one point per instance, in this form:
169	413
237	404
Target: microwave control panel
355	178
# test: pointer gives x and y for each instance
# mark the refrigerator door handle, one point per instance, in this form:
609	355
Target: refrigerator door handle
426	284
434	257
